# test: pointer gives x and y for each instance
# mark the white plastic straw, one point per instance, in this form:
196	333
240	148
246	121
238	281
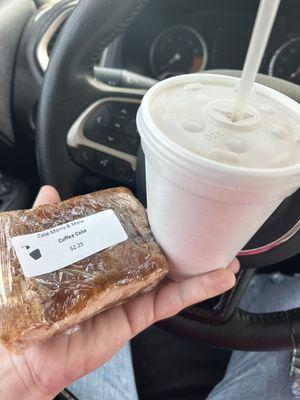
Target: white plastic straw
262	29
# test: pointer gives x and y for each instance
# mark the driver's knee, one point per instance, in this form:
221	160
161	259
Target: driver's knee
262	375
272	292
256	375
113	381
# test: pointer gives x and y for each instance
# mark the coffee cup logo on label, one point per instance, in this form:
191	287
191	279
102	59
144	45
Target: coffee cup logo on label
55	248
35	254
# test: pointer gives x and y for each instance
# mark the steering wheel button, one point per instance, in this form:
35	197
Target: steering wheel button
117	125
87	156
104	161
99	119
110	139
123	110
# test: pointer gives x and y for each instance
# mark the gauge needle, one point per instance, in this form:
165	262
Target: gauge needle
172	60
296	73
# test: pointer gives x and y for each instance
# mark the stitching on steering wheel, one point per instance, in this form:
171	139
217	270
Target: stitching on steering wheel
265	317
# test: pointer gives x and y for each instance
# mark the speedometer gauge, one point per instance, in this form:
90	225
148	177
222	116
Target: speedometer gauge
178	50
285	63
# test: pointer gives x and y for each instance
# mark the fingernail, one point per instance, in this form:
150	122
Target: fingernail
235	266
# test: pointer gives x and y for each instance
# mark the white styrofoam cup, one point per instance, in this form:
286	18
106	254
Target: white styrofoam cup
202	212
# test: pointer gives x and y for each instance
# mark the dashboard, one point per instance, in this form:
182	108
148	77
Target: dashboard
167	38
175	37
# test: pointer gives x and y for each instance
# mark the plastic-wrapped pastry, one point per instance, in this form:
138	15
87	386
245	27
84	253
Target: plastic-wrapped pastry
63	263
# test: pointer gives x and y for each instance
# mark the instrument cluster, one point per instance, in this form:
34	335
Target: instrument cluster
208	39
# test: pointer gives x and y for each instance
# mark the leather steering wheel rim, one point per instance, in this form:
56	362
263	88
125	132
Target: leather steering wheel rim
69	88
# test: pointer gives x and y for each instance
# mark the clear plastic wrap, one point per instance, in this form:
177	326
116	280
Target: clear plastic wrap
34	309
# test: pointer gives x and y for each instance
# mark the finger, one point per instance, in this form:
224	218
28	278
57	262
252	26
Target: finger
47	195
234	266
174	297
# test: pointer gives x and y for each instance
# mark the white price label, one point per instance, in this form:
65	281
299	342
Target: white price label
55	248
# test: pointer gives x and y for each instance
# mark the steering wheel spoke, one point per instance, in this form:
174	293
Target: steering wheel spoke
223	311
99	89
104	138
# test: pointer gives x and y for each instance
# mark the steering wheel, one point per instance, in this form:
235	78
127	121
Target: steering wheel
71	93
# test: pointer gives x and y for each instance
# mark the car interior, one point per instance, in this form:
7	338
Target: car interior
72	76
